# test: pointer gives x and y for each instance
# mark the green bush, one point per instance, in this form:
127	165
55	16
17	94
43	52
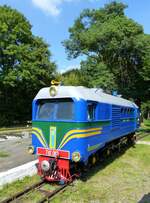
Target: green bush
4	121
146	110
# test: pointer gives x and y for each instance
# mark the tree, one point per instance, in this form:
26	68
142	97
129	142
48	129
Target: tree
109	37
97	75
72	77
25	65
146	110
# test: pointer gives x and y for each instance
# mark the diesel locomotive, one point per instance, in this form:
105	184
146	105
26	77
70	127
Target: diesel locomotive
72	124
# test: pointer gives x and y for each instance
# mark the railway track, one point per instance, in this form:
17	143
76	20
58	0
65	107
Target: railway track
35	187
139	137
49	195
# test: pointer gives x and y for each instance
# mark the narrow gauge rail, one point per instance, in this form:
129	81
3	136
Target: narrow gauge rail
36	186
49	194
143	135
21	193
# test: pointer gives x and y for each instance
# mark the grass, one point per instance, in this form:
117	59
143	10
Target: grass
3	154
147	138
14	129
119	179
17	186
145	130
147	123
20	185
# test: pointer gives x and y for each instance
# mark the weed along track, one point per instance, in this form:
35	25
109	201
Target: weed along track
22	193
37	187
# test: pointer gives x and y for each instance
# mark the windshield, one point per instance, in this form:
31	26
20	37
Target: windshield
59	109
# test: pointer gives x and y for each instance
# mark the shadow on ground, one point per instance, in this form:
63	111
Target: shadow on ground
103	163
145	199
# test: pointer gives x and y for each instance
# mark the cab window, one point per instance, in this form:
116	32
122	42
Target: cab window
58	109
65	111
46	110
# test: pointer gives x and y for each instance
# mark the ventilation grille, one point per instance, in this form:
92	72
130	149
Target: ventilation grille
115	116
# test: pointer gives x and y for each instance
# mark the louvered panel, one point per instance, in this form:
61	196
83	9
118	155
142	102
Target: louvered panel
115	116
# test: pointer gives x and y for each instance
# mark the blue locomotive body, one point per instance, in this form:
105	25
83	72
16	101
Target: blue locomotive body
79	121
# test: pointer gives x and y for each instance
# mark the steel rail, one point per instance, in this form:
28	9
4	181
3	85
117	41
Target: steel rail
141	137
48	196
19	194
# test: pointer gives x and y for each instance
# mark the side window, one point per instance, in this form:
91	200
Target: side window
91	110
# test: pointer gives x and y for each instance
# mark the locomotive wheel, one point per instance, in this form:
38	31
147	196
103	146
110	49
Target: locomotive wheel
93	160
108	152
131	139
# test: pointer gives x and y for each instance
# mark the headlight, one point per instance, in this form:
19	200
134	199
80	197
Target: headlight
30	149
76	156
45	165
53	91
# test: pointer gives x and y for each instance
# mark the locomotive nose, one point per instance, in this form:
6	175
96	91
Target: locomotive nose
45	165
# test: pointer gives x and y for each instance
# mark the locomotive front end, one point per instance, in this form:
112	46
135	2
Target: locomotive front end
52	118
50	123
54	164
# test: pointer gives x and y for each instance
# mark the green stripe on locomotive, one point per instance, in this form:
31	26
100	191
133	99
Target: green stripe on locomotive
62	128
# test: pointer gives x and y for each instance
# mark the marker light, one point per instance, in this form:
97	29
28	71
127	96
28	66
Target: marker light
76	156
30	149
53	91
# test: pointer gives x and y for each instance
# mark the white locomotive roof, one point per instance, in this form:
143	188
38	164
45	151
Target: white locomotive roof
80	92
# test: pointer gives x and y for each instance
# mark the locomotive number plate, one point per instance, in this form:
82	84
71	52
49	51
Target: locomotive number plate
53	153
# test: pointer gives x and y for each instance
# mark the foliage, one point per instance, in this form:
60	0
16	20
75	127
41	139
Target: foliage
72	77
97	75
146	110
109	37
25	66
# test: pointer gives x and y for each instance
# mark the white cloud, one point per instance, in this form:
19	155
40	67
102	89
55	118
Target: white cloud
52	7
48	6
63	70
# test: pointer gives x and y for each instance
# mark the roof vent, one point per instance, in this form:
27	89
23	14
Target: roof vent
115	93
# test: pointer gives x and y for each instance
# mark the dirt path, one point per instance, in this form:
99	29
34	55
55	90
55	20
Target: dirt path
143	142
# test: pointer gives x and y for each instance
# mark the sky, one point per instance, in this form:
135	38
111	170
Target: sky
50	19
